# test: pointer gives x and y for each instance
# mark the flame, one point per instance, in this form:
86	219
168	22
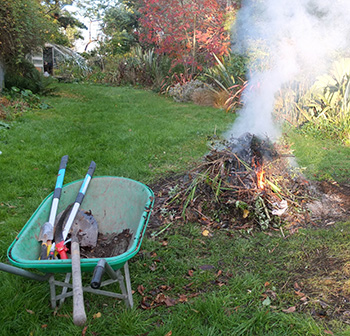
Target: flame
260	178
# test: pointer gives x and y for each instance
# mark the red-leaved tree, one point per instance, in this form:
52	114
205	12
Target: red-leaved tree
189	31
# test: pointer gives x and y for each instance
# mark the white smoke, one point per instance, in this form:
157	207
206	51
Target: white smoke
298	37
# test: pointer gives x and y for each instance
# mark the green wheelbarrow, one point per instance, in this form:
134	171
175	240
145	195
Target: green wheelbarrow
116	203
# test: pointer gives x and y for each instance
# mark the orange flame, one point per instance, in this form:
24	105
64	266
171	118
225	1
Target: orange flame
260	179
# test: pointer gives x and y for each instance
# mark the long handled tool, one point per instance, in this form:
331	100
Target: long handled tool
46	232
79	315
61	236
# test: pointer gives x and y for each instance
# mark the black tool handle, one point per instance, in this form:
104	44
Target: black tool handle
98	273
60	177
43	252
86	182
64	161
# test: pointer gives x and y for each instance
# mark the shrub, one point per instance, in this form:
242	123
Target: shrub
203	96
220	98
25	76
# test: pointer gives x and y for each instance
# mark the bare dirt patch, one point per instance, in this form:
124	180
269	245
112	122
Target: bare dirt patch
332	203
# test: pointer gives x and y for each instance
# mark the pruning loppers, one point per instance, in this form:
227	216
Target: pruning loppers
46	231
61	234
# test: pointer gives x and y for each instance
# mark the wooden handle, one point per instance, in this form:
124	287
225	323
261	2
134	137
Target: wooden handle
79	315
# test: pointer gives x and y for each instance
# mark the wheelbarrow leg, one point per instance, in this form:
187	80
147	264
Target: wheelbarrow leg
63	295
65	289
129	302
52	291
117	275
127	292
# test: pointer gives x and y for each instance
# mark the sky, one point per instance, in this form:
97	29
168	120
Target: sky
93	29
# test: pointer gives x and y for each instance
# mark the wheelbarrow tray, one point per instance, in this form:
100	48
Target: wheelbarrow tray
116	203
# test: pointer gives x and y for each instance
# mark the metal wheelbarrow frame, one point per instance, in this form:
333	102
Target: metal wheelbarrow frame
116	203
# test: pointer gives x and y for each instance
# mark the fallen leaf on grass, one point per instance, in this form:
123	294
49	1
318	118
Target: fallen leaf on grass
289	310
164	243
245	213
328	332
296	286
299	293
183	298
266	302
190	272
141	289
44	326
145	304
30	311
169	333
164	287
187	287
161	298
83	333
97	315
55	313
205	233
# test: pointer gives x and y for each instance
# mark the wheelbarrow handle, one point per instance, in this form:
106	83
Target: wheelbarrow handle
101	267
79	315
98	273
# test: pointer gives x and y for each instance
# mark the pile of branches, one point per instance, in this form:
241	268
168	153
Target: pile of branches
224	191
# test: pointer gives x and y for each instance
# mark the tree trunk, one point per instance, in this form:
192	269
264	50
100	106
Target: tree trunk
2	76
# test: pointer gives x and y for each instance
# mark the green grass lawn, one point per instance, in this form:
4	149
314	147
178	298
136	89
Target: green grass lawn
230	283
322	159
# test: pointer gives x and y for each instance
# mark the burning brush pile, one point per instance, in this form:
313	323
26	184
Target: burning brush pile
246	183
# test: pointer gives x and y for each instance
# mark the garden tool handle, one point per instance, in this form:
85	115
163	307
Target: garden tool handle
43	251
58	189
46	245
98	273
79	315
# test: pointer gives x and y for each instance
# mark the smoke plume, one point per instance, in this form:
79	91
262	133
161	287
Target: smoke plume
287	39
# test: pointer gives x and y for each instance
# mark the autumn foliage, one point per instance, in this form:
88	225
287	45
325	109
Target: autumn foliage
187	31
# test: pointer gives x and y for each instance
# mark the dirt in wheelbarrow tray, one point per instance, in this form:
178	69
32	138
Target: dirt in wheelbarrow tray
108	245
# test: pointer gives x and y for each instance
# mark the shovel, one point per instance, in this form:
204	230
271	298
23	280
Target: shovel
46	231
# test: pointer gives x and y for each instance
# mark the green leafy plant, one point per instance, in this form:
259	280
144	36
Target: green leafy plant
25	76
228	75
324	108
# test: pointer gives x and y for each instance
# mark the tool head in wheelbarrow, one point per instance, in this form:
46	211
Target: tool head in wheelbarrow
116	203
87	226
